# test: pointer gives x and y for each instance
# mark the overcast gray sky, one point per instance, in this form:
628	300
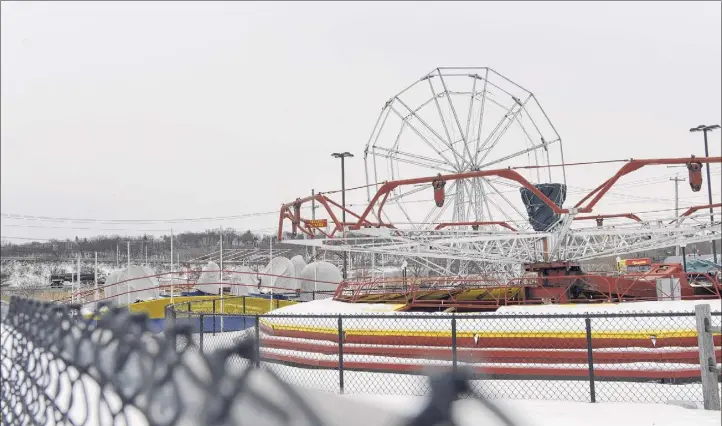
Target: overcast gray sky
141	110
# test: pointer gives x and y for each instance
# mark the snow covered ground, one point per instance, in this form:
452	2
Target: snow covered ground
360	382
556	413
478	322
334	307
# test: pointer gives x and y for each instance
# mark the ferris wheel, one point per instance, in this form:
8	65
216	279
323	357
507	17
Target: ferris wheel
458	120
465	166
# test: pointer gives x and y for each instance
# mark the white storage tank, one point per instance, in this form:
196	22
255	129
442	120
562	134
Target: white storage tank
319	277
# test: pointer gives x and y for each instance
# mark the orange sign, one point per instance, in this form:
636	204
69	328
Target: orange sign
318	223
638	262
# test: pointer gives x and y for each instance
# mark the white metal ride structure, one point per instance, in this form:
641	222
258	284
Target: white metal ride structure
468	135
458	120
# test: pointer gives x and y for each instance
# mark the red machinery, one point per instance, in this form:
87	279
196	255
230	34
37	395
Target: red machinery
695	175
544	283
291	210
552	275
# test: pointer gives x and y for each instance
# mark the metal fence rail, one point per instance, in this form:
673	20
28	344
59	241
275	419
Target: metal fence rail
621	357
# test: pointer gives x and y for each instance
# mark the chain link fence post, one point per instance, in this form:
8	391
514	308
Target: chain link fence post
454	355
258	341
170	323
707	361
590	359
174	324
340	353
200	320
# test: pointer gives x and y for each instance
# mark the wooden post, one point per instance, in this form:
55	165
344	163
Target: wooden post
707	361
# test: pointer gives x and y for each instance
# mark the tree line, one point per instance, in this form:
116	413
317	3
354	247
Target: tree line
109	245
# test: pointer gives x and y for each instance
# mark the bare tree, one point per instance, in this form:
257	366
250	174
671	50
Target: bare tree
28	289
416	270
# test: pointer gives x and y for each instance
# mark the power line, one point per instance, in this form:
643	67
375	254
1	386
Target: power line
577	190
135	221
69	239
24	238
13	225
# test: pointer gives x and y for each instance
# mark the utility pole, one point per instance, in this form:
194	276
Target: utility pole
676	181
96	279
221	279
313	204
172	279
342	156
704	129
127	277
75	283
313	216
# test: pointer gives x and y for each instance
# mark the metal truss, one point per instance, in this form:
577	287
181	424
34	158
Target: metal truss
239	256
591	243
513	248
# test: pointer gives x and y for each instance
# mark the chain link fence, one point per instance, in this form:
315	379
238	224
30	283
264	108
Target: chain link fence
60	368
603	357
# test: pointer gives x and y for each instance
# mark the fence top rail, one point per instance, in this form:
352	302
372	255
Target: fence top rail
422	316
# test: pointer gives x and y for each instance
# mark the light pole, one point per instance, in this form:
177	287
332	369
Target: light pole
676	181
704	129
342	156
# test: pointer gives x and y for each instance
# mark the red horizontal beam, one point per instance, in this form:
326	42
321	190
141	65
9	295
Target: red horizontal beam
484	355
491	342
610	216
591	199
519	372
693	209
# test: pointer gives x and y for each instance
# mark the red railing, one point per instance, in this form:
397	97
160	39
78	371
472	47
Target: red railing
490	292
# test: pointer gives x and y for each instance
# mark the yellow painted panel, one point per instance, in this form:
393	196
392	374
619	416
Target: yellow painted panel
635	334
234	305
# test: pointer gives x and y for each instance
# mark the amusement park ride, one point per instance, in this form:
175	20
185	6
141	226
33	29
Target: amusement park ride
468	132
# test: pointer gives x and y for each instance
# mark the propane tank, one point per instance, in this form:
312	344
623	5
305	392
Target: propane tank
439	193
695	175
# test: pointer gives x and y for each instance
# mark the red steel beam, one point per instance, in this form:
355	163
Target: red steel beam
610	216
591	199
519	372
503	173
693	209
548	356
491	342
632	166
